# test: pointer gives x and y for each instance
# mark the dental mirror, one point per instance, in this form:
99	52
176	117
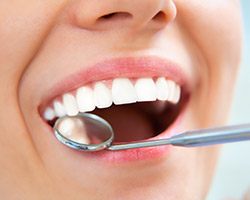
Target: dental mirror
89	132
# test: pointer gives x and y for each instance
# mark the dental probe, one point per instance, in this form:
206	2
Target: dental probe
89	132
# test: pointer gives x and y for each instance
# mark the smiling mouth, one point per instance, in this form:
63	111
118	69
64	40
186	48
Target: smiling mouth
142	98
137	108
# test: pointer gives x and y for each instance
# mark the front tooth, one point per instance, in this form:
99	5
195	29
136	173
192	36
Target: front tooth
145	89
85	99
162	89
59	109
172	86
70	104
102	95
123	91
177	94
49	114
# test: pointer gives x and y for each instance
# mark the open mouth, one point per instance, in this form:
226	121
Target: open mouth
137	108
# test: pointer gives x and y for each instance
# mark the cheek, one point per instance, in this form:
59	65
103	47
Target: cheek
214	28
23	27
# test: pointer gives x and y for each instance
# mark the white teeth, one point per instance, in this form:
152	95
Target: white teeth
177	95
172	87
123	91
49	114
145	89
102	95
85	99
59	109
162	89
70	104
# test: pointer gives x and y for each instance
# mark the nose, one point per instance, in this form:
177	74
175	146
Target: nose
109	14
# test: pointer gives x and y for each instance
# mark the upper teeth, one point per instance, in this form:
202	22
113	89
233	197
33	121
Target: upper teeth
122	91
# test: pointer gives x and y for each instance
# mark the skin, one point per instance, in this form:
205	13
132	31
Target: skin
203	36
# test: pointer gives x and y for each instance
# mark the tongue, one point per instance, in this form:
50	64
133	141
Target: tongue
129	123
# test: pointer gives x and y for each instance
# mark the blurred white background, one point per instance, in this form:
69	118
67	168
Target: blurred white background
233	172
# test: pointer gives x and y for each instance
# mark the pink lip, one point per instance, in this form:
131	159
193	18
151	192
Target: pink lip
126	67
130	67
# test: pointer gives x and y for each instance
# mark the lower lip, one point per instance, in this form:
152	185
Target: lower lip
140	154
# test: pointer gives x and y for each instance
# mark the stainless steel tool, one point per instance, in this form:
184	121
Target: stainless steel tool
89	132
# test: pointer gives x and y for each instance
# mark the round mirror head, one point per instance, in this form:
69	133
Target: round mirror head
85	131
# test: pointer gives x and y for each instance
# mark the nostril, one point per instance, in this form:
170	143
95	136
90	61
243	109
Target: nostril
160	17
115	15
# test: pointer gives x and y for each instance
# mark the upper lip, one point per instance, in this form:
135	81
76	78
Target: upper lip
130	67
